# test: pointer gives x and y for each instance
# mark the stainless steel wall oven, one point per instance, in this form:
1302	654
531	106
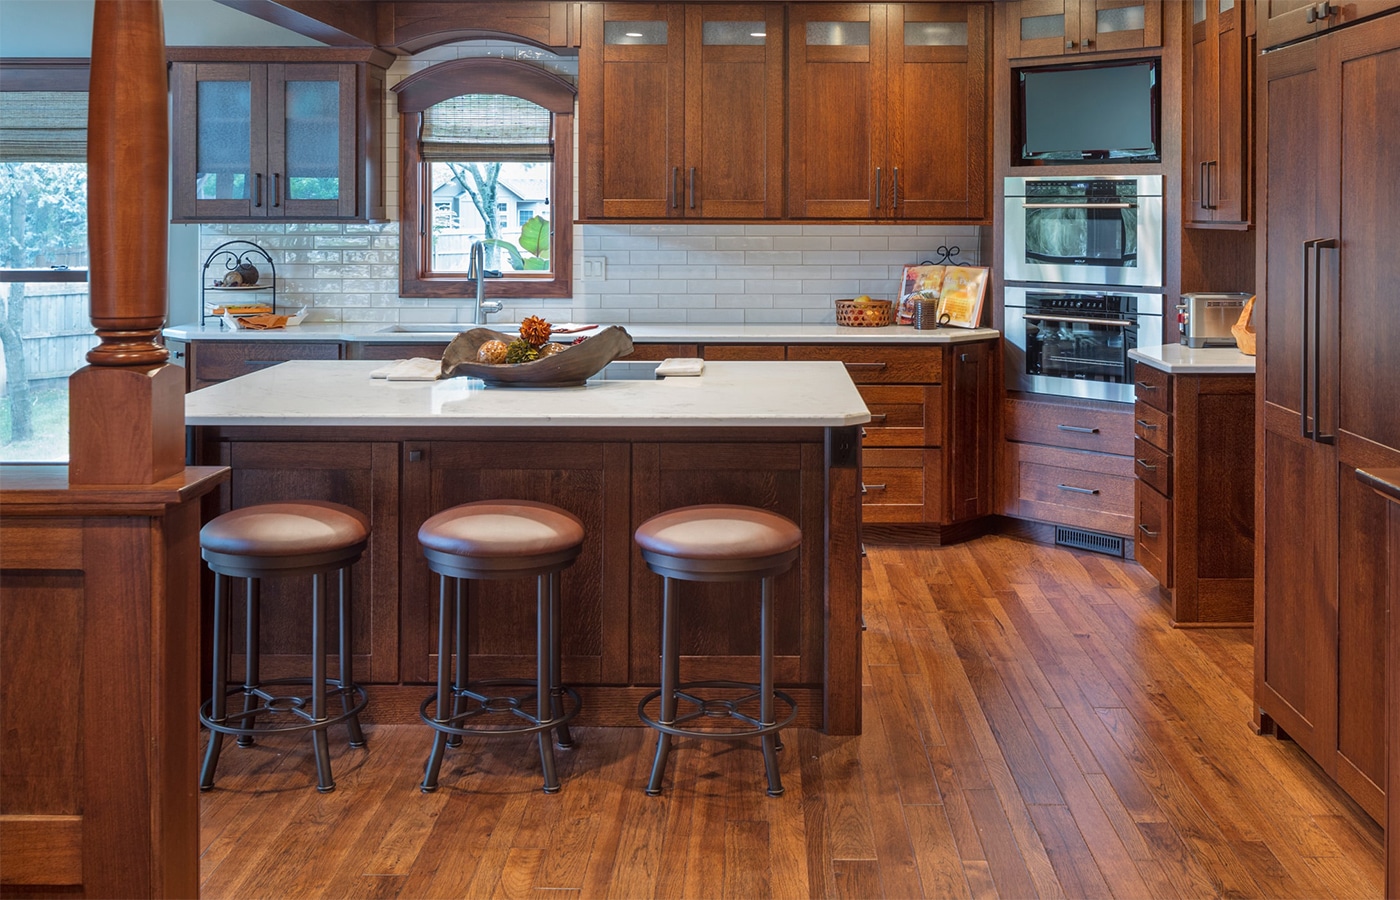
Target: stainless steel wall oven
1076	342
1100	229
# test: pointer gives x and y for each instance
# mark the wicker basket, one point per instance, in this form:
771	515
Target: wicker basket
1243	330
870	314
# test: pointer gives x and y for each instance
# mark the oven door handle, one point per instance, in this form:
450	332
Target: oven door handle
1025	205
1121	323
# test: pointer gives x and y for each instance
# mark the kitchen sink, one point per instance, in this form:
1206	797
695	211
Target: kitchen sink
449	328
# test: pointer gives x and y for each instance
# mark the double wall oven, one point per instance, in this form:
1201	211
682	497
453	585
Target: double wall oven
1083	272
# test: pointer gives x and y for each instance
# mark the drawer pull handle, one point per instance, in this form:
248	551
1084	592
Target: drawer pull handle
1077	490
1146	465
1147	387
865	365
865	488
1143	423
1078	429
1144	530
863	554
879	417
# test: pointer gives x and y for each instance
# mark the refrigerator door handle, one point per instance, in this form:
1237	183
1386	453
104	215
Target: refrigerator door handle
1303	409
1318	245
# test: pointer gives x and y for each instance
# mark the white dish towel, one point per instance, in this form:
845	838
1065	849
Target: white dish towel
680	366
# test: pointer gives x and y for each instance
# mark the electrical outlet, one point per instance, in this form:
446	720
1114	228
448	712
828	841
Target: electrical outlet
595	267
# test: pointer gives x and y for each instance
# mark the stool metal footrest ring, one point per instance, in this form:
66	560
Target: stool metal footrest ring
712	708
495	705
282	705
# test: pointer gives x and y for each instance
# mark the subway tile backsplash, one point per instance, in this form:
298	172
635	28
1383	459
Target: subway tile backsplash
653	273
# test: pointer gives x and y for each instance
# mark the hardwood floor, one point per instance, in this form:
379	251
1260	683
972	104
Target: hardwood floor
1033	728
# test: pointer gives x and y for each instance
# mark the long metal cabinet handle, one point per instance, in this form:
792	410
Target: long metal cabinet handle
1145	530
1303	347
675	189
276	189
879	417
894	186
877	187
1078	205
1145	464
1077	490
864	365
1329	243
692	187
1038	317
257	190
1201	188
1078	429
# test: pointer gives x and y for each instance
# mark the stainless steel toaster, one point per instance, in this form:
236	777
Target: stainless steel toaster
1205	318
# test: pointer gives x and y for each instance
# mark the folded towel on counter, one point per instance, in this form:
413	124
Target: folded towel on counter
418	369
680	366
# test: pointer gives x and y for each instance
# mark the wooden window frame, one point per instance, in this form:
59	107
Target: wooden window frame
483	76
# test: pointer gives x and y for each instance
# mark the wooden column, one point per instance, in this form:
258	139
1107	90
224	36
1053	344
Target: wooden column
126	408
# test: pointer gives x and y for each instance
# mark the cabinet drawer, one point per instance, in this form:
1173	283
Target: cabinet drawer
1153	387
1071	487
1153	533
377	350
214	361
1098	429
903	415
900	486
648	352
1153	466
744	351
1154	426
880	365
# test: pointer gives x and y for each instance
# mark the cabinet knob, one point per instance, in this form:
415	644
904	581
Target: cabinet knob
415	456
1069	45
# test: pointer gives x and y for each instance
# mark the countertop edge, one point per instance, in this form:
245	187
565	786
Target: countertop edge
1176	359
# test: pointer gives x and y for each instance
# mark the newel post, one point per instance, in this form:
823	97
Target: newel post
126	407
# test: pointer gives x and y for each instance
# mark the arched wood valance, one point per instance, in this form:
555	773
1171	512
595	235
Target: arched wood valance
479	75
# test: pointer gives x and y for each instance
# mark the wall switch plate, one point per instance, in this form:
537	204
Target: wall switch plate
595	267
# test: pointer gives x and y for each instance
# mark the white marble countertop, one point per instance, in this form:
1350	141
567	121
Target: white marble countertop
342	393
642	334
1178	359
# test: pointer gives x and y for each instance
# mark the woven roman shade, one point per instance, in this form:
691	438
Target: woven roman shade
43	126
487	128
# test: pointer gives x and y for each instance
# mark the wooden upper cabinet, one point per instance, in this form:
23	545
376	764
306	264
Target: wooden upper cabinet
1218	108
682	110
888	111
1069	27
1281	21
276	140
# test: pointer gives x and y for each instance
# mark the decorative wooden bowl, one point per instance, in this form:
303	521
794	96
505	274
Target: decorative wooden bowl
870	314
567	368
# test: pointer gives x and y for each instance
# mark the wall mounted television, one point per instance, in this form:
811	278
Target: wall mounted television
1103	112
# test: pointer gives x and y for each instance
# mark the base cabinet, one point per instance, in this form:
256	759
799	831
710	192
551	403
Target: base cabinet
1194	459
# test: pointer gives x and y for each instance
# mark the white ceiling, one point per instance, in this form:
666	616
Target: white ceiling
64	27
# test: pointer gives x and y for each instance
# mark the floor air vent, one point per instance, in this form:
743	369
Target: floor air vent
1088	540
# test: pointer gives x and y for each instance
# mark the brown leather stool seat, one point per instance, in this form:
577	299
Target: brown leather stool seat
499	539
275	540
717	543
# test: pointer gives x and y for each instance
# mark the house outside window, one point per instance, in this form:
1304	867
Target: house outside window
45	330
487	150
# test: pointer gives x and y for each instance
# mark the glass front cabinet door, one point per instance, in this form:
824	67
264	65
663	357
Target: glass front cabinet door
271	141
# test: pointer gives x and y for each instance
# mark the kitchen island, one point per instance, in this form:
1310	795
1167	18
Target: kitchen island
781	435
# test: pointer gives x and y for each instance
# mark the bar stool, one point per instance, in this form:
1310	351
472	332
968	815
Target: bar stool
278	540
499	539
717	543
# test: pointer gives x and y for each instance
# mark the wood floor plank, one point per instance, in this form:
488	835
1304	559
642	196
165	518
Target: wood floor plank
998	675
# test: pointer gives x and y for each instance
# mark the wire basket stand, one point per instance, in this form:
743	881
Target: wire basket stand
230	255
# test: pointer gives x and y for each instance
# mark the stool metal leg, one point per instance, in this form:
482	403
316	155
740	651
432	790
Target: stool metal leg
459	697
430	775
219	683
252	662
556	690
765	701
544	675
347	669
325	783
670	678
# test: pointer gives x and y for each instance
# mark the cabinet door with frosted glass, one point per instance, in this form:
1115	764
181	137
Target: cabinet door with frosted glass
219	160
1071	27
311	140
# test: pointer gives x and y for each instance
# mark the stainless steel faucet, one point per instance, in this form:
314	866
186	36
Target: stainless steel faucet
477	271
